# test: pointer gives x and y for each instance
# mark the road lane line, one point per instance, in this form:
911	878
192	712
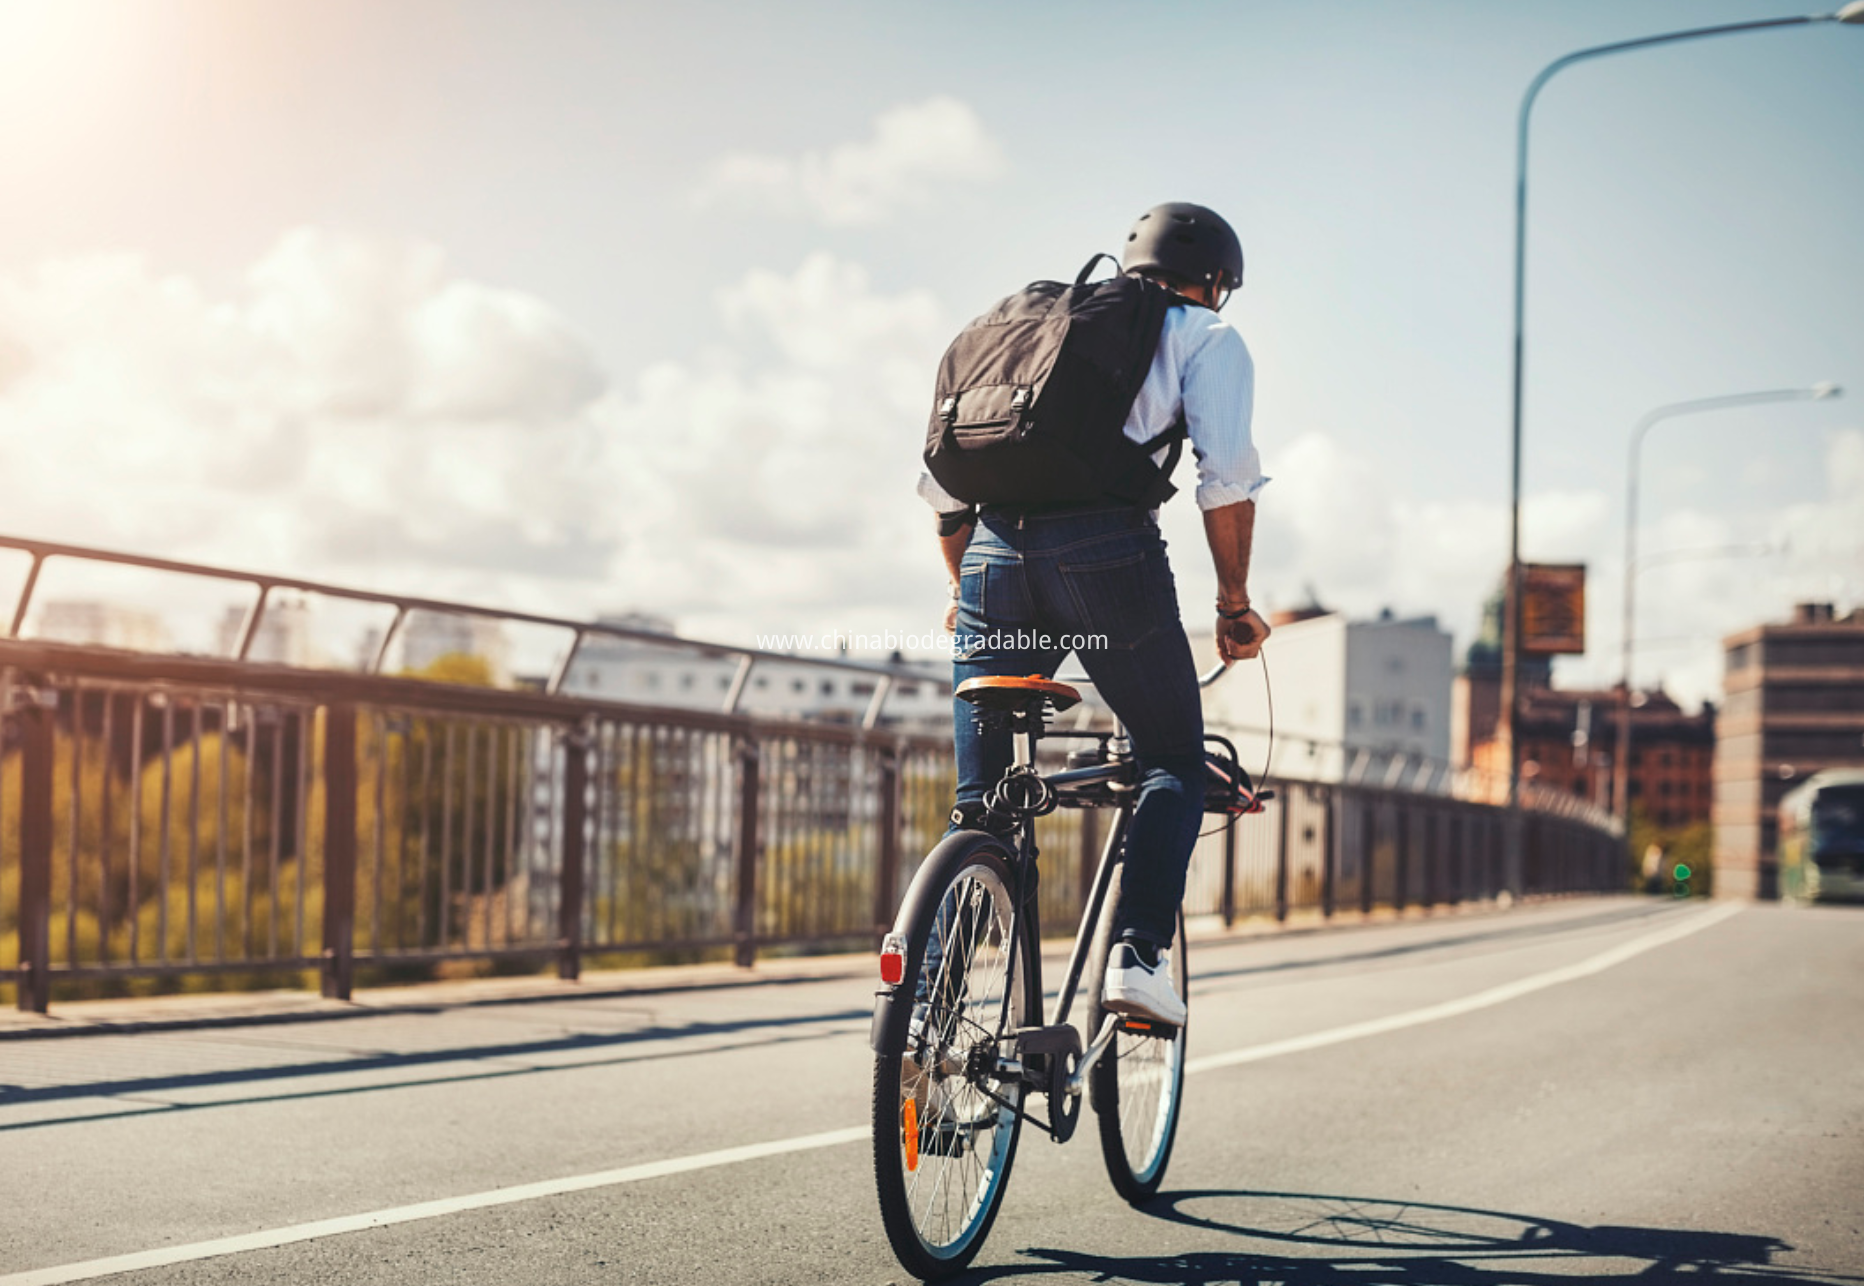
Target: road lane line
426	1210
94	1268
1467	1004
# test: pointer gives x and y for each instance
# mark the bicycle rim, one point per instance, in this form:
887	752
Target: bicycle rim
1138	1095
942	1144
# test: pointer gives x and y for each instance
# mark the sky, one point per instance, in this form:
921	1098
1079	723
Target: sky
577	307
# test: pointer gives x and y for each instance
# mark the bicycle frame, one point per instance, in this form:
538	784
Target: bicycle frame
1026	875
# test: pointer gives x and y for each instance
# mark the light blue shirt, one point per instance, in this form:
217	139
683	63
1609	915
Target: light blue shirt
1202	368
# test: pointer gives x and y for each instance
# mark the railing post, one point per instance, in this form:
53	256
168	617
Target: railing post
1329	839
1368	853
575	857
1401	856
35	853
887	878
1284	806
339	851
1229	874
745	922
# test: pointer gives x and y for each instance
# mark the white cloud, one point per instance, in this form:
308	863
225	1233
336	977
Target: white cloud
354	407
917	153
356	411
1330	521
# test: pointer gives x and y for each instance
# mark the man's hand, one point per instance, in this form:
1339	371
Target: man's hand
1242	638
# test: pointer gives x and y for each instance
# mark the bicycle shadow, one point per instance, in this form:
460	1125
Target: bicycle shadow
1383	1242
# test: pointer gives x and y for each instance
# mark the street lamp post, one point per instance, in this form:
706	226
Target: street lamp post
1621	772
1851	13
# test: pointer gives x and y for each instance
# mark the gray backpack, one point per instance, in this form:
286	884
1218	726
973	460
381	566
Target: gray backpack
1032	398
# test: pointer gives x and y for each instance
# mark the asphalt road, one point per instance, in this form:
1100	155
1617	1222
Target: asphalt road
1605	1089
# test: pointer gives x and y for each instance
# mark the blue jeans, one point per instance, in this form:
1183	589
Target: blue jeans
1030	587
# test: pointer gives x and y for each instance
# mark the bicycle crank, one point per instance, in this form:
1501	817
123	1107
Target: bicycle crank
1057	1050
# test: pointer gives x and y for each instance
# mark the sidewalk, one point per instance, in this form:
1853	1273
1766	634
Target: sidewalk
256	1008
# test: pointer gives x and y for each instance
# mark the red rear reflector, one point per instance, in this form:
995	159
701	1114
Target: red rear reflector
893	960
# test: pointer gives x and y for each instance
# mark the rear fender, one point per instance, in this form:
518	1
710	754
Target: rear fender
917	909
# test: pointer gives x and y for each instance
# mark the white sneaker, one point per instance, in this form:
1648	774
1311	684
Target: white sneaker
1146	992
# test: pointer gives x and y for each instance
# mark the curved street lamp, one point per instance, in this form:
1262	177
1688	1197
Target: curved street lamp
1851	14
1621	768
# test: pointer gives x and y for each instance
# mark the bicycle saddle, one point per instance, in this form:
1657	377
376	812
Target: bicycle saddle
1010	694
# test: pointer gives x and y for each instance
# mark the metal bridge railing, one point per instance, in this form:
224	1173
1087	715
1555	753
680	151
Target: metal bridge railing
187	818
402	606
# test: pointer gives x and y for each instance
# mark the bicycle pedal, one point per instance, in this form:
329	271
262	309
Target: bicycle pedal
1134	1026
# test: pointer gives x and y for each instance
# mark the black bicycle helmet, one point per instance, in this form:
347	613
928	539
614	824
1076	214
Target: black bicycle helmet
1186	243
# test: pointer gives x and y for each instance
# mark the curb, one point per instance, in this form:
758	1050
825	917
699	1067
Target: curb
278	1008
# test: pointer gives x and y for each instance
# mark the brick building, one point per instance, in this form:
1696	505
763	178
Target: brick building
1795	704
1569	743
1569	737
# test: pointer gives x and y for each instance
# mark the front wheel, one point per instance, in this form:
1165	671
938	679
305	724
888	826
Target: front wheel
945	1127
1138	1084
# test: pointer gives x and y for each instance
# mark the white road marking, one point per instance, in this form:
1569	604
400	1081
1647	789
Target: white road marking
94	1268
425	1210
1468	1004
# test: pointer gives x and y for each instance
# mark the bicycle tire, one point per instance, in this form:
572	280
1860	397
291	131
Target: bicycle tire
1137	1087
941	1184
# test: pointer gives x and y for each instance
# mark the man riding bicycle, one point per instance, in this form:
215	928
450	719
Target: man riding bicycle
1025	576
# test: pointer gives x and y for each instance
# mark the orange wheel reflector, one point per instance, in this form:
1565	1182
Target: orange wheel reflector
909	1118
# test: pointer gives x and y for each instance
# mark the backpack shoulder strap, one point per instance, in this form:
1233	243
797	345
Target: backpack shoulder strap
1087	270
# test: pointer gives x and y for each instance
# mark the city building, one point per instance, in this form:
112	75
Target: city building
1794	704
1569	744
283	637
617	669
103	625
1365	701
425	637
1476	695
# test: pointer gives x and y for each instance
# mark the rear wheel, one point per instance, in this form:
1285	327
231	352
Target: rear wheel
945	1128
1138	1084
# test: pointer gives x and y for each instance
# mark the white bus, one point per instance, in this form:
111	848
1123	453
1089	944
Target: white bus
1822	838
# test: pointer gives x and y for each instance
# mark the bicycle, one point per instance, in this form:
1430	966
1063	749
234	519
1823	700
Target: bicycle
959	1045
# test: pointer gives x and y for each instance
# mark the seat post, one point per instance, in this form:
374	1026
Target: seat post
1025	740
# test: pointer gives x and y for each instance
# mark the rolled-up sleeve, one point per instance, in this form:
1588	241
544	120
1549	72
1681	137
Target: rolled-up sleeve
1219	401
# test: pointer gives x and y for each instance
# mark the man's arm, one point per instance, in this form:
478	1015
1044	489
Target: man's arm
1231	530
952	545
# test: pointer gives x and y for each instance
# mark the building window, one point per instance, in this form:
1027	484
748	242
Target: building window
1355	714
798	685
1417	718
907	690
828	687
686	683
862	688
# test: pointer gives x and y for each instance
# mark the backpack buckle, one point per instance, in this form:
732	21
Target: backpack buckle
948	411
1021	398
